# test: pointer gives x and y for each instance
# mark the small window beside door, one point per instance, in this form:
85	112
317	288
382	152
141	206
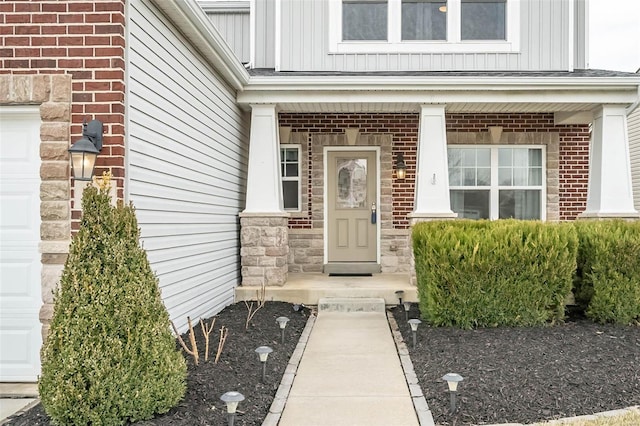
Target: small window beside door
290	170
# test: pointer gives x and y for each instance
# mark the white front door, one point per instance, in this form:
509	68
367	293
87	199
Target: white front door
20	293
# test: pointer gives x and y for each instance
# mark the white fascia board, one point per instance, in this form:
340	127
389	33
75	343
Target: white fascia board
431	96
193	22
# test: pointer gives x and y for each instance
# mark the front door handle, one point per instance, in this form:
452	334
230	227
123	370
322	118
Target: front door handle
374	214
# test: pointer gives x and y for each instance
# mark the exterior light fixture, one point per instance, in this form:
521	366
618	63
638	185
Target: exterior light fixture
400	295
401	167
414	323
443	8
452	380
232	399
282	322
85	151
407	307
263	353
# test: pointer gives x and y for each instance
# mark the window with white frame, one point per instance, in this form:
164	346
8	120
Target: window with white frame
497	182
415	26
290	170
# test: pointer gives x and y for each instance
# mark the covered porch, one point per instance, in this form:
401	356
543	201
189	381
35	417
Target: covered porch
291	250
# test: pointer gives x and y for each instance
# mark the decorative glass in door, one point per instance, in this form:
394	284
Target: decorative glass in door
351	183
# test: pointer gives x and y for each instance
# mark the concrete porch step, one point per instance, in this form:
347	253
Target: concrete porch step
309	288
351	304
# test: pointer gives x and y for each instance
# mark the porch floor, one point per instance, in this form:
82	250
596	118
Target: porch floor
308	288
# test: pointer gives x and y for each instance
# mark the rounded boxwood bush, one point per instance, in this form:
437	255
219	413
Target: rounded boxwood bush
109	357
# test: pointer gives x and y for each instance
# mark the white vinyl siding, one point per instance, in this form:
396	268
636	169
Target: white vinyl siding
234	27
634	148
544	43
187	157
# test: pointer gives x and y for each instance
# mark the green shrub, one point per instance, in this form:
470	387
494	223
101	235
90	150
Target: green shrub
109	357
487	274
608	276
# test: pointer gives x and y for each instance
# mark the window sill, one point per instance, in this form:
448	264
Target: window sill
424	47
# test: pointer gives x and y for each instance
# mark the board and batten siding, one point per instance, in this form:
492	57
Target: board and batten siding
633	124
265	34
235	29
186	166
544	43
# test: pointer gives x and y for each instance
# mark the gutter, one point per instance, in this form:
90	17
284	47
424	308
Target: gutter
634	105
194	23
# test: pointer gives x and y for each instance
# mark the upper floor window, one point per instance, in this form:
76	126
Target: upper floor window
423	26
483	19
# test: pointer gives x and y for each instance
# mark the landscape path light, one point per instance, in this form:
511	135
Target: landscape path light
232	399
400	295
282	322
414	323
452	380
263	353
407	307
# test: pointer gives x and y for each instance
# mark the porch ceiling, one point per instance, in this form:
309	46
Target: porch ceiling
412	107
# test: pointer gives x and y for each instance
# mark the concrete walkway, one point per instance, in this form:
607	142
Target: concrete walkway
350	374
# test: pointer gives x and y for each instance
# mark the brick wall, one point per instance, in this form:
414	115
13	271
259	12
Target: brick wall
83	39
573	165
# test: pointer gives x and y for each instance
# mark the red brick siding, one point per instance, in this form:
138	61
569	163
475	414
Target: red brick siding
574	146
81	38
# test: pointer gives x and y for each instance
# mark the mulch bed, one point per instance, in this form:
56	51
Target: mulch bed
238	369
526	374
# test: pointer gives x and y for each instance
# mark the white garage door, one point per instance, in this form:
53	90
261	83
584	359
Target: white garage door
20	298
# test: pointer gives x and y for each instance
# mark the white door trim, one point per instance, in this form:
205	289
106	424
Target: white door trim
325	153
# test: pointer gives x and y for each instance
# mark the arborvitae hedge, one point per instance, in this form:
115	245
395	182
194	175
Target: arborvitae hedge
488	274
608	278
109	357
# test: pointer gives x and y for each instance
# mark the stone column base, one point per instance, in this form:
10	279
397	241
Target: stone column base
264	239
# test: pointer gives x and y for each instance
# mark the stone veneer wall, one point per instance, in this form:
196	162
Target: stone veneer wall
53	94
264	249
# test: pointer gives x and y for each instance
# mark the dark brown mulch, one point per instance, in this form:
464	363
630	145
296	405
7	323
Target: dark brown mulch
526	374
238	369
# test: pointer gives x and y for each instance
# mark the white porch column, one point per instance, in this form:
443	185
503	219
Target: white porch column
264	192
432	175
610	192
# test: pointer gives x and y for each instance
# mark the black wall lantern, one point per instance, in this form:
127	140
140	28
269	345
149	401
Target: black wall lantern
401	167
85	151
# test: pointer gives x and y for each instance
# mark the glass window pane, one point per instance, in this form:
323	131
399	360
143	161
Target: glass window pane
535	176
505	157
535	157
291	155
484	176
352	183
520	176
291	170
521	157
483	20
469	178
470	204
469	157
424	20
364	20
290	194
455	177
484	157
520	204
504	176
454	157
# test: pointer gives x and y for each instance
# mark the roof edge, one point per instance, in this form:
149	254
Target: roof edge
196	26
